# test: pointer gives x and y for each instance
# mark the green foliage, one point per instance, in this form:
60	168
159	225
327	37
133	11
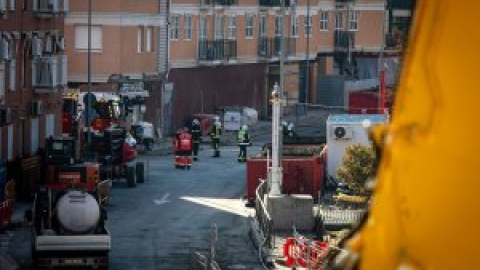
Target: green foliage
357	167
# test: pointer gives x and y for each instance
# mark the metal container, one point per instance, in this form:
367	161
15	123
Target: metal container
301	175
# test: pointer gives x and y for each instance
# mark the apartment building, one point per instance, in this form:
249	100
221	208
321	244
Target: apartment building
124	35
221	52
33	73
231	34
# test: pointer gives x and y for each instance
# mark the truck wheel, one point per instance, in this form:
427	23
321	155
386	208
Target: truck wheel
140	170
131	177
149	145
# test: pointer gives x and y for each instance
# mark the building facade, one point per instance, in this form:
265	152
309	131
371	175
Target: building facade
314	36
124	37
33	73
190	42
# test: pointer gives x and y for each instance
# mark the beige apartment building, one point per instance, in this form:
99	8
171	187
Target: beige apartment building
123	39
222	52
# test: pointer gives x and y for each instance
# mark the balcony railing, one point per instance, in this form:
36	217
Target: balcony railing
218	2
3	7
273	3
214	50
49	8
49	74
271	47
344	40
394	41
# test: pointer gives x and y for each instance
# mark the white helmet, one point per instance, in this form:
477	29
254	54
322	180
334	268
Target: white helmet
195	122
245	127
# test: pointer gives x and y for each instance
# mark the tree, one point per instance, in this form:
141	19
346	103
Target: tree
357	167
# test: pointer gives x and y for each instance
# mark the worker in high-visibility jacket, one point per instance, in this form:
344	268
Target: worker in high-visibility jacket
216	134
243	141
196	133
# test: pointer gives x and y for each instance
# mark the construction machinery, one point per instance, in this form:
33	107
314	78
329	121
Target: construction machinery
424	212
107	139
68	221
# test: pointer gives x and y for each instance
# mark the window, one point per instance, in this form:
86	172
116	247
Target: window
262	26
295	26
33	135
149	39
49	125
278	26
2	84
232	27
203	27
139	39
174	28
12	5
12	74
308	25
219	27
324	21
249	26
339	20
81	38
188	27
353	21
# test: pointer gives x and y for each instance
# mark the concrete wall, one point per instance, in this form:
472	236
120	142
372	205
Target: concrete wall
242	85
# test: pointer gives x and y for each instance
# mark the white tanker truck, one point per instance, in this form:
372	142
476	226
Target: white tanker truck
68	222
68	230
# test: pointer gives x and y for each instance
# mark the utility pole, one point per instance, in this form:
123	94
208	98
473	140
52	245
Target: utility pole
307	64
88	106
282	81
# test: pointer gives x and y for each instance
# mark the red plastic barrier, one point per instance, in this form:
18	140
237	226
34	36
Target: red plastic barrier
298	252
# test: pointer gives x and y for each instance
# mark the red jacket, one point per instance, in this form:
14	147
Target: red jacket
183	142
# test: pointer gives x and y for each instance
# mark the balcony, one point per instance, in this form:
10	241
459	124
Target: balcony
217	50
205	3
273	3
271	47
395	40
49	74
3	8
344	40
50	8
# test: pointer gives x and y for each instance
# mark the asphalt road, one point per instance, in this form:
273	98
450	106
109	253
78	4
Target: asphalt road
157	224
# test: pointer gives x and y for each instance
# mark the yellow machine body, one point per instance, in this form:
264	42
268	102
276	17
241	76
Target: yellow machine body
425	212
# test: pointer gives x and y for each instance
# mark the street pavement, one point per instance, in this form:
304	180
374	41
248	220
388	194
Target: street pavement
157	224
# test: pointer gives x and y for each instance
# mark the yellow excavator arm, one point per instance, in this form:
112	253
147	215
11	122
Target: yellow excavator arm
425	213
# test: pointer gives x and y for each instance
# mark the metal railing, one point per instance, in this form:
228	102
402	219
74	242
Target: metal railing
50	7
49	72
273	3
205	260
220	49
344	40
262	216
218	2
271	47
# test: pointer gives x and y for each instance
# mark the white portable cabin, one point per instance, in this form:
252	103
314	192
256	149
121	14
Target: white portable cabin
344	130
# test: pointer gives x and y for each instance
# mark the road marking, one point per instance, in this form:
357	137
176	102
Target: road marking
163	200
